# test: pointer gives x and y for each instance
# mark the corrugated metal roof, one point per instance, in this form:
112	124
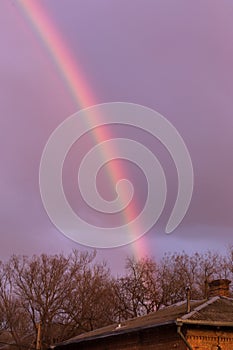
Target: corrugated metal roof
216	309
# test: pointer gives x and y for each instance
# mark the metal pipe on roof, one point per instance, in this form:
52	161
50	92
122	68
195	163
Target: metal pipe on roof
183	337
188	295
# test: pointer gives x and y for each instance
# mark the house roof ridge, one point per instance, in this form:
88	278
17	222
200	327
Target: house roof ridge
200	307
172	305
226	298
178	303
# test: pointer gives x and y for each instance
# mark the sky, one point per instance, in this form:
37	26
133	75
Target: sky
174	57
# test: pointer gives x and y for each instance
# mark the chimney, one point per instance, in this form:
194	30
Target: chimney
219	287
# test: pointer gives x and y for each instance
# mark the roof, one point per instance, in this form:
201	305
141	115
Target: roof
217	311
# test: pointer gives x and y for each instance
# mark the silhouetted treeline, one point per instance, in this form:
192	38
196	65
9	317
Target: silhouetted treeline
72	294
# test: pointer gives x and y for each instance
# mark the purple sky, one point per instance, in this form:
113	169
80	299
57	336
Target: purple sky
172	56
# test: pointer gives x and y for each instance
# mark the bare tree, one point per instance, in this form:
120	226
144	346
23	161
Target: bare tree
90	304
66	295
43	284
179	270
14	319
138	292
172	285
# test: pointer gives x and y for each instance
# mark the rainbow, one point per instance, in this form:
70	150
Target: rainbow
70	71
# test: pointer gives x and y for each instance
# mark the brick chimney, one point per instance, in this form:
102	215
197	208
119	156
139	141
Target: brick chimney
219	288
